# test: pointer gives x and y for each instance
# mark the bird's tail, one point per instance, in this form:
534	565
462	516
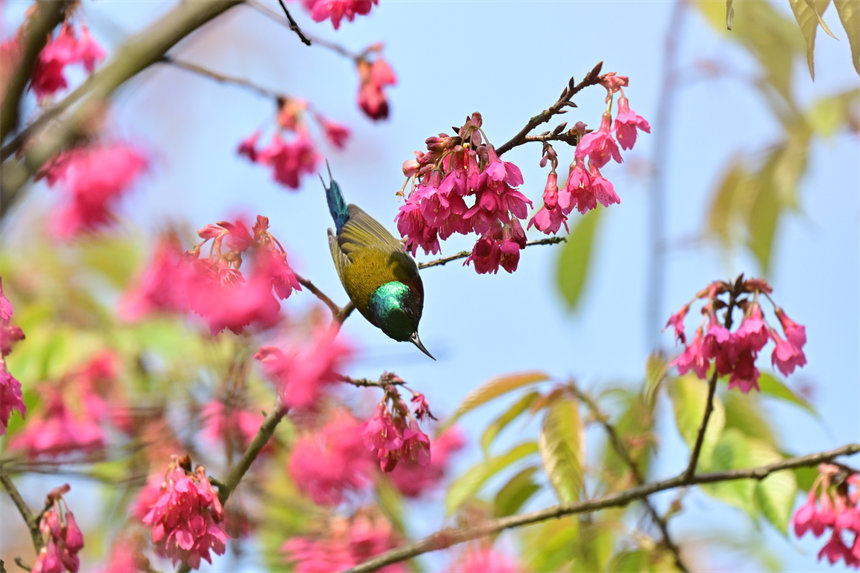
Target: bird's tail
336	205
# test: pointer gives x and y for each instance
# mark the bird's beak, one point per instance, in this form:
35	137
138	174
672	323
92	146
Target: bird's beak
417	342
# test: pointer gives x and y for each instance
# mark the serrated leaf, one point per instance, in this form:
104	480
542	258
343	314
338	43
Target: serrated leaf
770	385
511	497
808	15
562	448
493	388
470	482
849	15
688	395
505	418
574	259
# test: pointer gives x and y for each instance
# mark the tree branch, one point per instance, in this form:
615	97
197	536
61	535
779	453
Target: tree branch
590	79
622	452
464	254
293	26
24	509
335	309
453	536
700	436
219	77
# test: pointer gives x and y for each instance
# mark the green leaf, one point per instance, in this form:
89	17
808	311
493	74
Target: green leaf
770	385
574	259
506	418
831	113
731	452
745	413
808	15
493	388
849	15
562	448
688	395
655	373
552	545
729	193
775	494
468	484
515	493
762	219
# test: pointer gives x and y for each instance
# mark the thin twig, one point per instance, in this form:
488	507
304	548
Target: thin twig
365	383
316	40
450	536
335	309
293	26
700	436
590	79
23	509
219	77
464	254
624	454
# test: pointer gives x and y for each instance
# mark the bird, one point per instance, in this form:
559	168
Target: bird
381	279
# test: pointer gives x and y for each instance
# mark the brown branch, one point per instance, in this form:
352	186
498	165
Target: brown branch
219	77
335	309
590	79
464	254
24	509
622	452
38	27
453	536
700	436
365	383
293	26
141	51
316	40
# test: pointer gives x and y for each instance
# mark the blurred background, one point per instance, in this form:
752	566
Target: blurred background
728	100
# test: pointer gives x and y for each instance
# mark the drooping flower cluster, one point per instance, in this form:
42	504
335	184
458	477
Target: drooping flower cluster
74	409
336	10
373	76
343	543
62	536
393	434
67	48
413	479
186	518
734	353
331	461
586	186
92	180
214	287
301	373
451	170
291	152
11	397
834	510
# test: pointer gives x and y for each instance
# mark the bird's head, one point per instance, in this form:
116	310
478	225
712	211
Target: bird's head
396	309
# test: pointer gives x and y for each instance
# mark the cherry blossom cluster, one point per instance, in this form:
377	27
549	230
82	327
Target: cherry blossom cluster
214	287
336	10
834	510
67	48
291	152
92	179
62	536
374	75
392	434
734	353
186	517
586	186
74	408
453	169
301	373
343	543
11	397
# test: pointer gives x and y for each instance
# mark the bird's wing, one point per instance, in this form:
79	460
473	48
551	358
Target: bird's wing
363	231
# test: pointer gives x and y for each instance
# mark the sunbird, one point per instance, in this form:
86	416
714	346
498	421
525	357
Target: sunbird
381	279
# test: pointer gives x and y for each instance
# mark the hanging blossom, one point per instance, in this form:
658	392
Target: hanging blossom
215	287
415	480
302	373
329	462
374	75
393	434
291	152
336	10
833	507
343	543
67	48
62	536
452	170
733	353
11	397
586	187
186	518
91	180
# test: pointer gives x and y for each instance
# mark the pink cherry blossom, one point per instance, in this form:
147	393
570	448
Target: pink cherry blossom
63	537
414	479
626	124
335	10
602	188
551	216
794	333
328	463
92	180
786	356
693	357
412	225
11	397
677	322
301	373
599	145
89	51
161	286
336	133
289	160
185	520
59	52
373	77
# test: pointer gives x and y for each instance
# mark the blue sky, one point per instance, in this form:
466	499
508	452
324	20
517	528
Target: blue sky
509	60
